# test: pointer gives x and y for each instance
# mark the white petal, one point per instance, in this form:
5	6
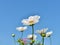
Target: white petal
31	17
31	20
21	28
42	30
36	21
45	29
30	36
25	27
34	17
49	34
38	31
37	17
25	22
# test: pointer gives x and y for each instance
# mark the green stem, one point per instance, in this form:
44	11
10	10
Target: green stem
42	40
31	44
14	41
32	30
50	40
19	44
21	35
21	38
32	33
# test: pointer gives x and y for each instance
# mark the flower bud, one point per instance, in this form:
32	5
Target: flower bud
13	35
33	41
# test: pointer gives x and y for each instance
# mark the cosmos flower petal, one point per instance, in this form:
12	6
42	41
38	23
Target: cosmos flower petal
21	28
25	22
34	17
42	30
49	34
31	20
30	37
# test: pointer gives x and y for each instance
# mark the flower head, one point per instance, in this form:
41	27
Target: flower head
21	28
48	34
42	31
31	20
30	37
13	35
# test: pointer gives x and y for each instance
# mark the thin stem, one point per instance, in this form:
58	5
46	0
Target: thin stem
42	40
19	44
14	41
21	35
31	44
32	33
50	40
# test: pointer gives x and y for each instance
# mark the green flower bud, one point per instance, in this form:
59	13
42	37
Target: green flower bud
33	41
13	35
19	40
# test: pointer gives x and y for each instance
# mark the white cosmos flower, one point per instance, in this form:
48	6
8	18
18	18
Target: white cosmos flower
42	30
21	28
48	34
30	37
31	20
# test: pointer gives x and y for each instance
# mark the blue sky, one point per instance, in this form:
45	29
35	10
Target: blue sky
13	11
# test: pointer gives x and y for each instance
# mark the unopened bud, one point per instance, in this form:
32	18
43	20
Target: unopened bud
13	35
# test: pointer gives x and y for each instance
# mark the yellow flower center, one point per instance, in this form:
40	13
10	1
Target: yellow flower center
31	22
43	35
22	28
